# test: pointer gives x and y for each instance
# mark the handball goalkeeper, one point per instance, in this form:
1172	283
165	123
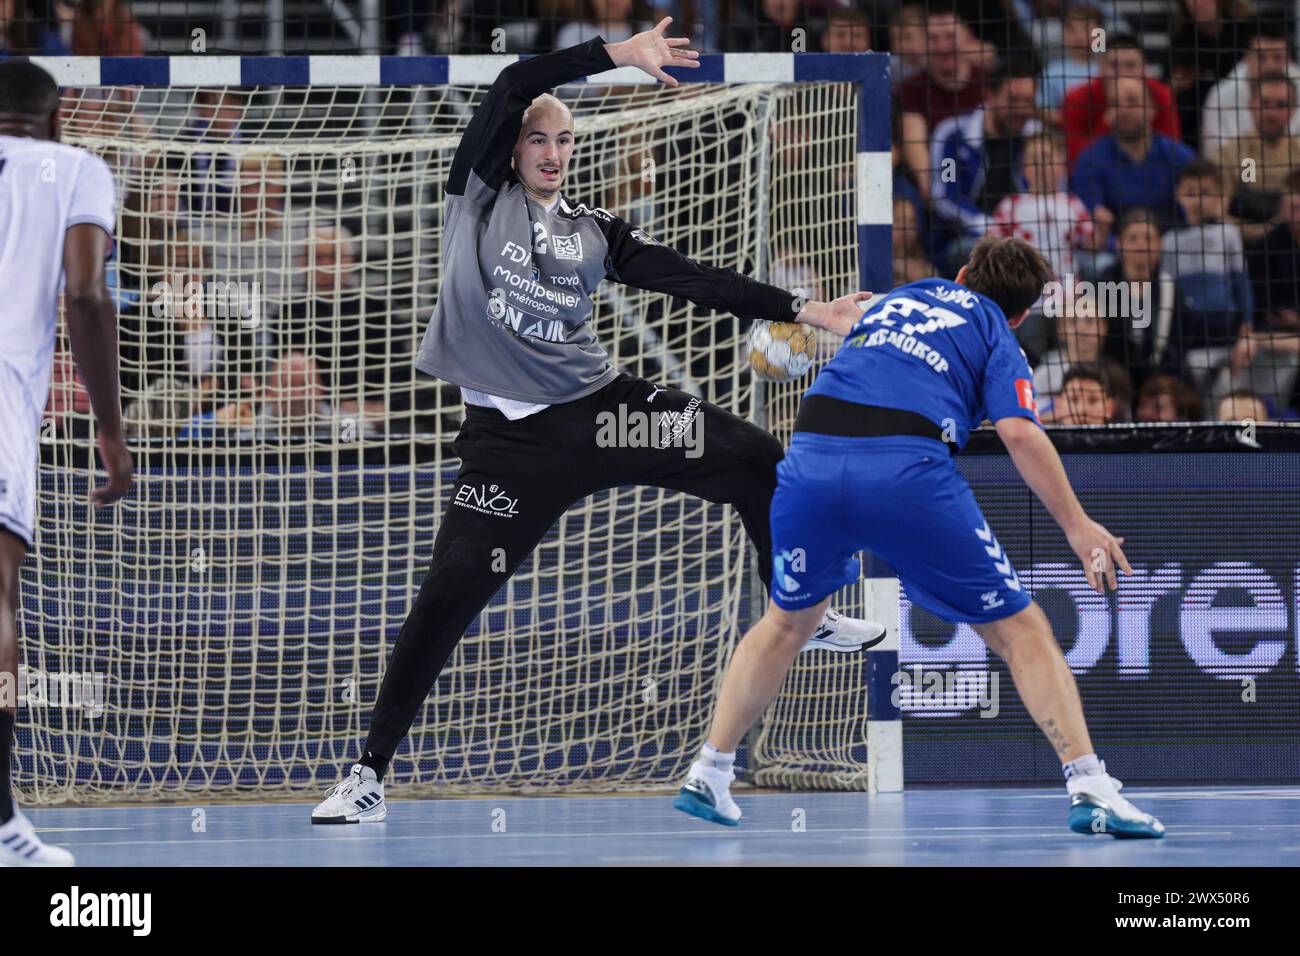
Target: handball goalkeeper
520	263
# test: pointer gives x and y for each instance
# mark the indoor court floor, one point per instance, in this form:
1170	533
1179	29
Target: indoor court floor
1229	826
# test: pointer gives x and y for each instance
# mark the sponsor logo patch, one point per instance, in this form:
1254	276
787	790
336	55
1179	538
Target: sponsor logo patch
487	500
784	562
567	247
1025	395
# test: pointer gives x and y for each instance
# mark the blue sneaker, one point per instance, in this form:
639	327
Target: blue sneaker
1097	807
707	795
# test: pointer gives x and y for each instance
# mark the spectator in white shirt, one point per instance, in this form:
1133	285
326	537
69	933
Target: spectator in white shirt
1076	61
1227	114
1081	332
1048	216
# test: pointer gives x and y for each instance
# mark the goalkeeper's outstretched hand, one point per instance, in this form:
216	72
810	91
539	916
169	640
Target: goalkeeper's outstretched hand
651	51
838	316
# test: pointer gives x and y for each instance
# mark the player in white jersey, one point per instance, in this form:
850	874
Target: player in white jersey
57	210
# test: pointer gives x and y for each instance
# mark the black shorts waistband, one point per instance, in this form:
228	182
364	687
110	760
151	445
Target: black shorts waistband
486	413
490	413
824	415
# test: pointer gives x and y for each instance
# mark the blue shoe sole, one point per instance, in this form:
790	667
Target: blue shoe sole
1081	821
688	802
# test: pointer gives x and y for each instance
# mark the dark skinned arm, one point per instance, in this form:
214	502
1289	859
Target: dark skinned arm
92	332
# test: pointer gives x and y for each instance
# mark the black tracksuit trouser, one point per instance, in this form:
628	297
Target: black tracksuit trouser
518	477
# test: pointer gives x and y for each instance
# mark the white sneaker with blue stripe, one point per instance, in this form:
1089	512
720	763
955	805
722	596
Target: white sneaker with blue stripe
358	799
20	846
844	635
707	795
1097	807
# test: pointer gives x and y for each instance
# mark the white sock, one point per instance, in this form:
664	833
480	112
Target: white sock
712	757
1087	764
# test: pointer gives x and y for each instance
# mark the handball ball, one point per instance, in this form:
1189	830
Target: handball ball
781	351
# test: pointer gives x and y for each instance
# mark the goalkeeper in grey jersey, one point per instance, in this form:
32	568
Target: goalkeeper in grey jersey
520	261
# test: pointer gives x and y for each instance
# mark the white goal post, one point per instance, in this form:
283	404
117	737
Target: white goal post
222	632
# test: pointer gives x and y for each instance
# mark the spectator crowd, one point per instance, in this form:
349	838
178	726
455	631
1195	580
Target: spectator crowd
1162	183
1162	191
244	315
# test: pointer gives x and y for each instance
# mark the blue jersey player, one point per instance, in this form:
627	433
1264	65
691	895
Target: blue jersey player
870	467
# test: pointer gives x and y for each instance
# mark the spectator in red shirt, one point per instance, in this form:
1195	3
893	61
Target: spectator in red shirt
107	28
1083	113
950	83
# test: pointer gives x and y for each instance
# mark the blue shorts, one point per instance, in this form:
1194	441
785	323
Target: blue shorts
903	499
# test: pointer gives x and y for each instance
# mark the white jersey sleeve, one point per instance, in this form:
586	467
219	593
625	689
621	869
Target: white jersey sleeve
45	188
94	199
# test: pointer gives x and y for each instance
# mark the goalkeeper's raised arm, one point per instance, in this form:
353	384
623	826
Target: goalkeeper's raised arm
485	148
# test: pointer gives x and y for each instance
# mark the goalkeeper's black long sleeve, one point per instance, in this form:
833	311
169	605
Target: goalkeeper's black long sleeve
636	260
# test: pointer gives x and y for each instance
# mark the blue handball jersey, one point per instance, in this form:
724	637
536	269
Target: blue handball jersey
938	349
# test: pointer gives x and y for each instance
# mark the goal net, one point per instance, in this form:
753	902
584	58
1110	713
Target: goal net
223	631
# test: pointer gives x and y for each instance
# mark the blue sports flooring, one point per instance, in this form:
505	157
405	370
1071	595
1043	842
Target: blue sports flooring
1229	826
